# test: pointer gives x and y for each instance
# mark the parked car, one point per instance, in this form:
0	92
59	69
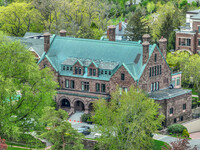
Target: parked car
84	130
97	135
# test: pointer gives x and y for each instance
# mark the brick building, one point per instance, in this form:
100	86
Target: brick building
91	69
188	37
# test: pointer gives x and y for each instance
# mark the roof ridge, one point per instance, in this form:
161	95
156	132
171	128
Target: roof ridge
101	41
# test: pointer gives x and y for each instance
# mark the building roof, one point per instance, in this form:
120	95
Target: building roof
105	54
167	93
194	11
196	17
33	35
122	31
32	44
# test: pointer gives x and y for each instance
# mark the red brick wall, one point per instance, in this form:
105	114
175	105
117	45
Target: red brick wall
145	81
116	79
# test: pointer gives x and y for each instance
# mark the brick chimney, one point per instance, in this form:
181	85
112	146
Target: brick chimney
120	25
146	37
145	46
111	32
63	32
163	46
46	41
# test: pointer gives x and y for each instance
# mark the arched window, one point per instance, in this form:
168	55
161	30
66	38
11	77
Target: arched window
65	103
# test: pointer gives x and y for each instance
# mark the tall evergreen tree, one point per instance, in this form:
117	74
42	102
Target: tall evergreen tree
137	26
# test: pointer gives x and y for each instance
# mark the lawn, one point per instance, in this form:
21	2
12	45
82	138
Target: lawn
14	148
157	145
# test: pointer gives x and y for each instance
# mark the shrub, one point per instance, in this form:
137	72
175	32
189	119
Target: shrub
176	129
85	117
185	133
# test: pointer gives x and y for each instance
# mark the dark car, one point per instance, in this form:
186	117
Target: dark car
84	130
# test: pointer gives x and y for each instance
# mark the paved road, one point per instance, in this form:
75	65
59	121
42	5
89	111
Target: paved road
75	121
169	139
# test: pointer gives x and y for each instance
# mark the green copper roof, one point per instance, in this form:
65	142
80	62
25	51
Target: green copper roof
102	53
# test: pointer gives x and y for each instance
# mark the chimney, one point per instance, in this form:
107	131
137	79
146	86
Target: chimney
163	46
146	37
126	21
145	46
46	41
63	32
111	32
120	25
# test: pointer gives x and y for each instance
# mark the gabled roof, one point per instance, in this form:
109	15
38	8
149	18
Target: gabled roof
34	44
105	54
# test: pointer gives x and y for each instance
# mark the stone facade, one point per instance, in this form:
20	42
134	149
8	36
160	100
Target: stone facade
77	93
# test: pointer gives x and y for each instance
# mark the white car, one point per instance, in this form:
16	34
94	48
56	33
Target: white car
97	135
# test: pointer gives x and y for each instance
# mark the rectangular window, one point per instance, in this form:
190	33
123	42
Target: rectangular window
199	28
67	83
157	70
94	72
103	88
188	42
90	71
125	89
181	118
85	86
97	87
63	67
151	86
199	42
101	71
171	111
67	68
179	41
155	87
76	70
120	91
79	71
70	68
105	72
155	58
72	84
174	120
150	72
178	81
184	106
158	86
173	82
160	69
109	72
122	76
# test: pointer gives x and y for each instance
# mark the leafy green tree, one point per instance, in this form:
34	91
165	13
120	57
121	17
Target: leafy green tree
25	89
137	26
150	7
127	121
60	132
18	18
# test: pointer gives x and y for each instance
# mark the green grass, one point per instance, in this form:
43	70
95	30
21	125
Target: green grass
14	148
157	145
193	91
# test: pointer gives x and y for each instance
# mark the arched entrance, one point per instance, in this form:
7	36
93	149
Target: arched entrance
79	106
91	108
65	104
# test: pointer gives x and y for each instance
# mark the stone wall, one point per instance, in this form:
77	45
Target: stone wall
164	79
89	144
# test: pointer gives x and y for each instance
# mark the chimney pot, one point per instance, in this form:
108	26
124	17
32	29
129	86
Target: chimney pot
111	32
163	46
63	32
46	41
146	37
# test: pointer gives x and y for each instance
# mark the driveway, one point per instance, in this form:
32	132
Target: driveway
169	139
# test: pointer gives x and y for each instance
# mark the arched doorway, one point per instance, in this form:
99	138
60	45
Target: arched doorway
65	103
91	108
79	106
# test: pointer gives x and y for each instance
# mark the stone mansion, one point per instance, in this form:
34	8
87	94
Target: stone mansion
91	69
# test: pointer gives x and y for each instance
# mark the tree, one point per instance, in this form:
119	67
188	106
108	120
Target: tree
150	7
137	26
18	18
127	121
24	89
60	132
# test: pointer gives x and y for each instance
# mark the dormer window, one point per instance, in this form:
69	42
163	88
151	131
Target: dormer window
76	70
79	70
122	76
90	71
70	68
94	72
63	67
105	72
101	71
109	72
67	68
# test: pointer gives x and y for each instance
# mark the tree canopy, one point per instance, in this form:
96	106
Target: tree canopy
24	89
127	121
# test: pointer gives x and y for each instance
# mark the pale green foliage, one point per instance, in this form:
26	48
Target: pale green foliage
18	18
150	7
127	121
19	72
60	133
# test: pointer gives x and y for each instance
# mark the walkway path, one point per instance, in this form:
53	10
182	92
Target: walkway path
169	139
195	135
